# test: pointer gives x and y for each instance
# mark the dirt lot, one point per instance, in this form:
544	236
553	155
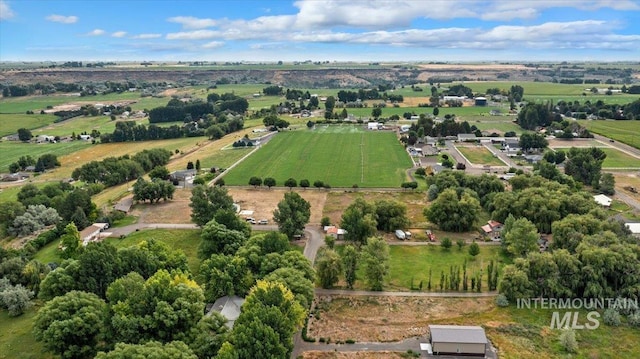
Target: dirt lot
388	319
350	355
263	201
628	180
174	211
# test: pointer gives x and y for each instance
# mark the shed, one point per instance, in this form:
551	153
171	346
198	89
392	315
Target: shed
94	233
634	228
229	306
481	101
458	339
467	137
602	200
373	125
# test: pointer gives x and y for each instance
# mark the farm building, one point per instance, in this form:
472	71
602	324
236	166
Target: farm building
44	139
373	126
85	137
602	200
467	137
458	339
335	232
229	307
480	101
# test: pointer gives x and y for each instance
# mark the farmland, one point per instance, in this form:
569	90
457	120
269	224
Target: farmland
340	156
11	122
624	131
11	151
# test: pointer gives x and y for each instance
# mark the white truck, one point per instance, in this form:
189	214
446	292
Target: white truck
400	234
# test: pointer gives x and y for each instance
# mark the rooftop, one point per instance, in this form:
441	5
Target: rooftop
457	334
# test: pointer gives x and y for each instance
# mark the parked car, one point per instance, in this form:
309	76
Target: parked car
263	221
249	219
400	234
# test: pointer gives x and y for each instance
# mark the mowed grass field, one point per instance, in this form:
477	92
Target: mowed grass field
11	122
480	155
12	150
615	158
341	156
624	131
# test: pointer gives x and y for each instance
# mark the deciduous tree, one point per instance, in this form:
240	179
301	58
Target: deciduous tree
329	268
375	258
292	214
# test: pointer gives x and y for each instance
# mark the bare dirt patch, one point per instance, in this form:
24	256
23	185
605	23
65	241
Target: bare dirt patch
173	211
351	355
625	181
388	319
263	201
76	105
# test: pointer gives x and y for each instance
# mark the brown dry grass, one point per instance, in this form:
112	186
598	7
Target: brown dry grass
174	211
628	180
337	202
482	67
388	319
263	201
351	355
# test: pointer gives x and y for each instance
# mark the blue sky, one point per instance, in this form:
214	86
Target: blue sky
319	30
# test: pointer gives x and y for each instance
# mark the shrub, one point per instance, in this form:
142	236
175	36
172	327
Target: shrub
474	249
350	341
446	243
611	317
330	241
502	301
460	243
568	340
325	221
634	319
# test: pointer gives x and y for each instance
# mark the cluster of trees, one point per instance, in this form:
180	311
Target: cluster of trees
536	115
362	219
459	90
539	200
152	191
585	165
346	96
289	182
177	110
20	279
113	171
373	257
532	141
273	121
459	279
484	186
45	162
592	257
425	126
292	214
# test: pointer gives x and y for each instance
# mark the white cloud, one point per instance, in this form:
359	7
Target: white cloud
146	36
190	22
5	11
193	35
96	32
119	34
213	45
62	19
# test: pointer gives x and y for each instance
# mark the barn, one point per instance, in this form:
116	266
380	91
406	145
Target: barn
458	339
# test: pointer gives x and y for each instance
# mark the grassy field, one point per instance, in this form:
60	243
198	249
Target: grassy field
12	150
16	337
480	155
498	126
339	155
624	131
615	158
11	122
409	262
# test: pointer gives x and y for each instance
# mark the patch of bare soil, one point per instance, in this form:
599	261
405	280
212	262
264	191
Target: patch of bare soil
172	211
263	201
388	319
351	355
76	105
625	182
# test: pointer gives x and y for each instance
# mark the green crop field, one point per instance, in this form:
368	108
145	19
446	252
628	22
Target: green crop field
500	126
624	131
11	122
339	155
480	156
11	151
615	158
458	111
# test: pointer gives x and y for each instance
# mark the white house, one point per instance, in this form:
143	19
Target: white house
85	137
634	228
602	200
45	138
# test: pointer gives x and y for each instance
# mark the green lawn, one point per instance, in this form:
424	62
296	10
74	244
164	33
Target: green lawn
615	158
409	262
480	155
11	122
499	126
339	155
16	337
458	111
12	150
624	131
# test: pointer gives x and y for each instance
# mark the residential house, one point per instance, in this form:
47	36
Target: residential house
373	126
229	307
94	233
511	146
335	232
533	158
85	137
493	230
45	139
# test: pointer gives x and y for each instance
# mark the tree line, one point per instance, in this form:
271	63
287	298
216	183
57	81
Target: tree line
45	162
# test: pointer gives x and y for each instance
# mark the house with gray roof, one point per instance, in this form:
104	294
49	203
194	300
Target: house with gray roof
458	340
229	306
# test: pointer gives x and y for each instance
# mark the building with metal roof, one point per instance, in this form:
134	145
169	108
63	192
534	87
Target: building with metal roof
458	340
